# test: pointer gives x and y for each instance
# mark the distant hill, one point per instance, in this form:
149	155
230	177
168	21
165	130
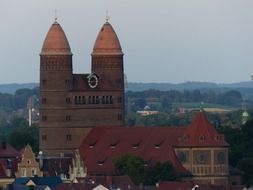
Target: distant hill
11	88
246	88
186	86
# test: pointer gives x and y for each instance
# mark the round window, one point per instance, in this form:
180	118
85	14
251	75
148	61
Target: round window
182	157
201	158
221	157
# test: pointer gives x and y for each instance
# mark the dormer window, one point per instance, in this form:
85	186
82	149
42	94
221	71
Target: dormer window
101	163
113	145
158	145
92	144
217	138
202	138
186	138
136	145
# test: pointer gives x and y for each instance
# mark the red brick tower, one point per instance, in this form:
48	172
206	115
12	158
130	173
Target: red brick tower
72	104
107	64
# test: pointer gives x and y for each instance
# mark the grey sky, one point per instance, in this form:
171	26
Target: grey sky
163	40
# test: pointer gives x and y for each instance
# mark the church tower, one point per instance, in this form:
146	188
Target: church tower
107	64
55	82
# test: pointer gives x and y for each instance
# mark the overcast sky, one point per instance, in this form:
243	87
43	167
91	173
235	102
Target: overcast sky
163	40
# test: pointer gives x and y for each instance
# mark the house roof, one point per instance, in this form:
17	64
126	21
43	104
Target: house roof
7	151
153	144
51	182
201	133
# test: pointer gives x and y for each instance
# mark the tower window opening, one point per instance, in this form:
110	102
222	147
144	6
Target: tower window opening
90	100
103	100
79	100
44	82
68	137
107	99
120	99
44	101
43	137
68	100
83	100
119	116
97	100
44	118
111	100
93	100
76	102
68	117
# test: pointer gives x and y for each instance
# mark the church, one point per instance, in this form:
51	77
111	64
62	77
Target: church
72	104
86	112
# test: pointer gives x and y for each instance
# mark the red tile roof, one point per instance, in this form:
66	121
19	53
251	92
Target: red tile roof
7	151
153	144
201	133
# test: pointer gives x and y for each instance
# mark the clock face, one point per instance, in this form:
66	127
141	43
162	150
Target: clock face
92	80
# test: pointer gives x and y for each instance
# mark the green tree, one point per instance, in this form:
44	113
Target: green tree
21	136
132	166
161	172
135	168
246	165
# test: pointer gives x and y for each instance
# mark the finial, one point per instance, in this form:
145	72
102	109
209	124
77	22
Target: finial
55	15
107	16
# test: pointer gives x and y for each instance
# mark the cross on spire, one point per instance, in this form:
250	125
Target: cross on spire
107	17
55	15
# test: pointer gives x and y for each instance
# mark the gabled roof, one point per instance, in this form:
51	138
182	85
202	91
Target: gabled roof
201	133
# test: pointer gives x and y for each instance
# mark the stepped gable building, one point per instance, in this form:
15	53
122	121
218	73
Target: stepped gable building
72	104
198	152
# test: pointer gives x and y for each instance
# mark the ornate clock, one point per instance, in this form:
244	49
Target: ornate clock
92	80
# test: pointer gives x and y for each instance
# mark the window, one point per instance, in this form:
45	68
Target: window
76	101
23	172
44	101
34	172
83	100
67	83
68	100
90	100
201	158
182	157
43	137
44	82
120	99
28	161
68	117
119	116
111	100
97	100
221	158
103	100
79	99
44	118
68	137
93	99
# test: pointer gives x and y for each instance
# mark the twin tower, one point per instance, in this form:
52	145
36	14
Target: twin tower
72	104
